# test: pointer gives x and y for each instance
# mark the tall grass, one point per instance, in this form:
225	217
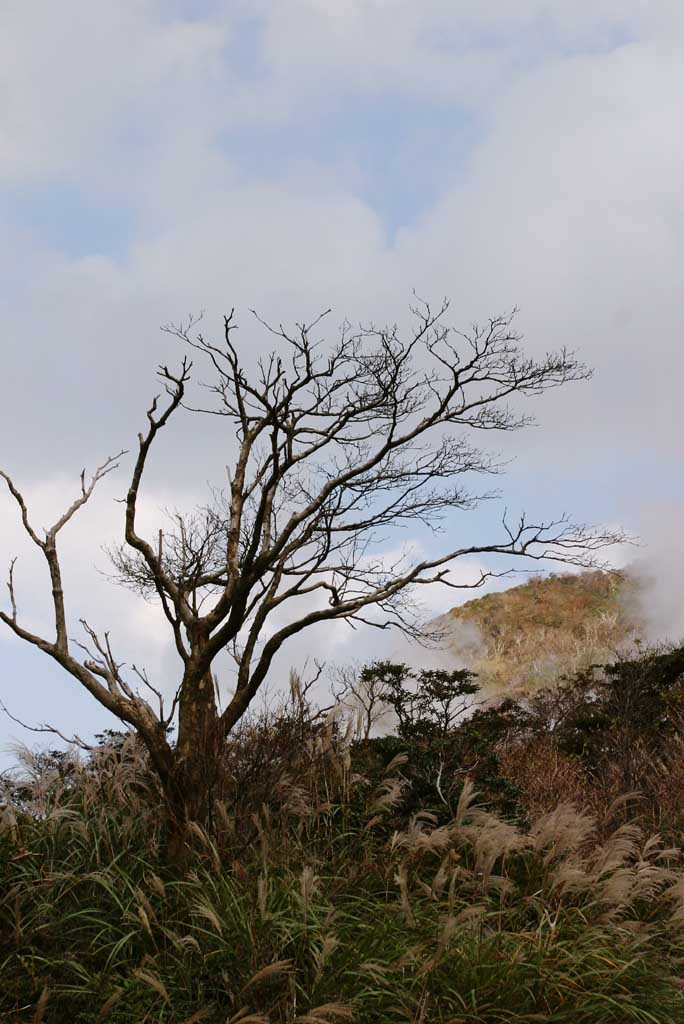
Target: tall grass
316	907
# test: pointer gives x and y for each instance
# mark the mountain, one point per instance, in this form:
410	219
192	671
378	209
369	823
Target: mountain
521	638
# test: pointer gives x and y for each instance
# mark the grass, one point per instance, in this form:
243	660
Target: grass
321	907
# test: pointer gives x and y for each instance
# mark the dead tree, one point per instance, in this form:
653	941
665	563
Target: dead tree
336	445
364	693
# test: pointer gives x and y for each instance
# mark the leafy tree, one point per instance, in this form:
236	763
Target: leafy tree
433	705
445	734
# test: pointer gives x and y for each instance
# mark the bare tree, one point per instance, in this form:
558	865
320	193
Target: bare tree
364	692
336	445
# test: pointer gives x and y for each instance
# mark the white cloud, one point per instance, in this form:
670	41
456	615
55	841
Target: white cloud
568	204
139	632
82	84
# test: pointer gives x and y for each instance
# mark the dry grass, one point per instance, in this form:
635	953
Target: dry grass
319	910
545	776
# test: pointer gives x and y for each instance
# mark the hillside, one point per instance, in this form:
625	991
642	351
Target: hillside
521	638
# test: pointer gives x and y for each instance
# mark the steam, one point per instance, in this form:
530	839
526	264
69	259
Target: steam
462	645
657	600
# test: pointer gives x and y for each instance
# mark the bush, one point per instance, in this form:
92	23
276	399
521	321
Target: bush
608	731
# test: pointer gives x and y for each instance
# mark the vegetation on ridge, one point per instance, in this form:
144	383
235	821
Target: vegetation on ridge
334	883
524	637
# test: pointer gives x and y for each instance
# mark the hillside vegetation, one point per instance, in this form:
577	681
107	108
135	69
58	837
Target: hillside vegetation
520	862
522	638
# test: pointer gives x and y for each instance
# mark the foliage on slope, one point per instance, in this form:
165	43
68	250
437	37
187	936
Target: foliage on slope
530	634
323	893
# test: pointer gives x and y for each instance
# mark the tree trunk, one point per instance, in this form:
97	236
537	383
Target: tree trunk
192	782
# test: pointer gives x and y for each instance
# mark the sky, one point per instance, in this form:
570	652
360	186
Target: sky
159	158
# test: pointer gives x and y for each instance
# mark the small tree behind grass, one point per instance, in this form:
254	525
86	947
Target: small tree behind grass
428	702
444	732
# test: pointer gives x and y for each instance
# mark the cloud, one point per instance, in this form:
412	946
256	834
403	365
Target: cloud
133	623
83	86
292	156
